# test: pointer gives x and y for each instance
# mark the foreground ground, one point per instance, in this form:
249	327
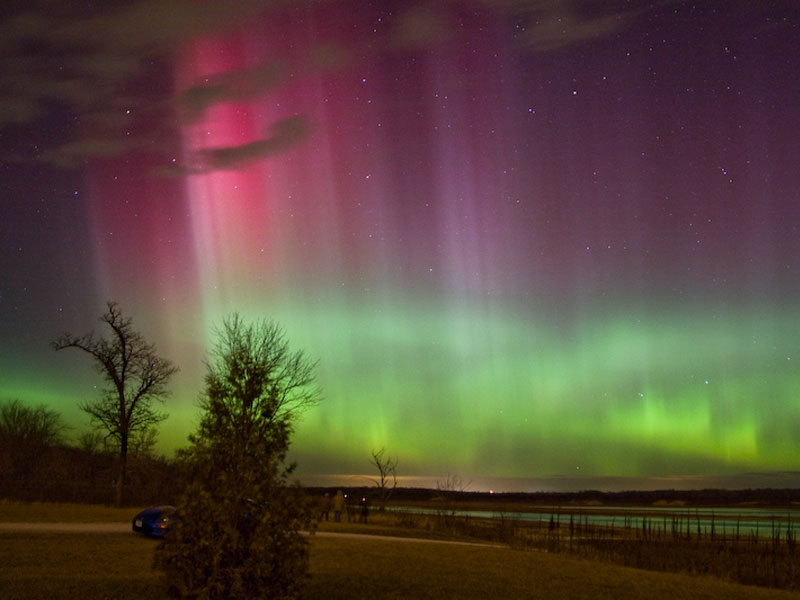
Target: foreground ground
118	565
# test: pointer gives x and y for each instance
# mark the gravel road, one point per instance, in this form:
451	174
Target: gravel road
67	527
126	527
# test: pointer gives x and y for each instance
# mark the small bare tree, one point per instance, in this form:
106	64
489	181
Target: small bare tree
450	489
136	376
387	469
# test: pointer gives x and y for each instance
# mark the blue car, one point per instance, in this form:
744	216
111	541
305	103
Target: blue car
155	521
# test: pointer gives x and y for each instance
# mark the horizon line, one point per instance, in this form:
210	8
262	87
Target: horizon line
570	483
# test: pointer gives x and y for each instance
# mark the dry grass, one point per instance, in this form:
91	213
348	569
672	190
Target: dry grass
118	566
90	566
344	568
51	512
95	566
662	545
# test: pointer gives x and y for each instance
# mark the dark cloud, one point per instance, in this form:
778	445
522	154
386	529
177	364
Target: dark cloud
549	25
74	153
105	66
417	27
17	110
325	57
147	25
99	69
232	86
283	134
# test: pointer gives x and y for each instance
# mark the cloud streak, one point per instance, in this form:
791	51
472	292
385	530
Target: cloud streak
106	69
283	134
103	70
233	86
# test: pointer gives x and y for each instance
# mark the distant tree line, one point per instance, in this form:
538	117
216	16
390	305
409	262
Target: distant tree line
39	464
710	497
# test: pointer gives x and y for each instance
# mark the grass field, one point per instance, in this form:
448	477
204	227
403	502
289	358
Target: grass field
669	544
52	512
118	566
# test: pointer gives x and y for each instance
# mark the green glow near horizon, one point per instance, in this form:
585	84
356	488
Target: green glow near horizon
612	398
474	393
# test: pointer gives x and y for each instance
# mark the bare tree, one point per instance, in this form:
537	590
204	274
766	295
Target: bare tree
136	377
91	442
450	489
387	469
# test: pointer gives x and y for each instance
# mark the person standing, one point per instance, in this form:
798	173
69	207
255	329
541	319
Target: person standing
338	506
364	510
326	507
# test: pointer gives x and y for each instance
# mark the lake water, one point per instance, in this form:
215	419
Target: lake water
725	521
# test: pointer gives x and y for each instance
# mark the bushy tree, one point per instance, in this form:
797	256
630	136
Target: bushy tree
22	425
26	435
239	519
136	376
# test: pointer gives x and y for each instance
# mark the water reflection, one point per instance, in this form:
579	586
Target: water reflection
728	521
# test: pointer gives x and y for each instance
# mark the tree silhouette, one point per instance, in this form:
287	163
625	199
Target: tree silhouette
136	377
387	468
239	520
22	425
26	436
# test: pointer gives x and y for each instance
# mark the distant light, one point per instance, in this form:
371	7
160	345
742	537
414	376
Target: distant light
491	491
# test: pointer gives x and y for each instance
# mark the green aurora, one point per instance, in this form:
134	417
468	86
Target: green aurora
513	256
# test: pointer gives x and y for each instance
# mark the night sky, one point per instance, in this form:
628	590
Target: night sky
553	241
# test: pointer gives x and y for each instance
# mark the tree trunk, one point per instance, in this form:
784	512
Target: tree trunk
123	463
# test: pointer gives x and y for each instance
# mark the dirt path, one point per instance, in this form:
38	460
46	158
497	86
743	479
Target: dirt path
126	527
67	527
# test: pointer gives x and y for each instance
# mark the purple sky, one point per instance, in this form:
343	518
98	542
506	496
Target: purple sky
524	239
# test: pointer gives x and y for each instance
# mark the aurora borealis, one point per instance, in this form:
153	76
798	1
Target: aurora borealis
523	239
